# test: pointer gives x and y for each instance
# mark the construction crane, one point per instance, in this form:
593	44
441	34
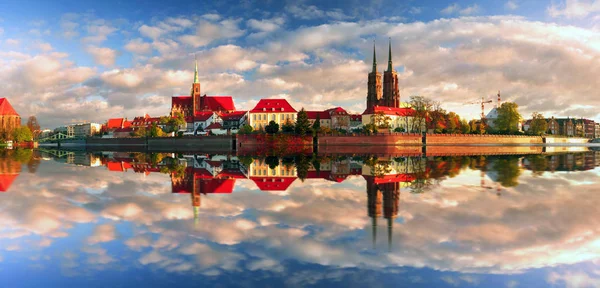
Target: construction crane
482	102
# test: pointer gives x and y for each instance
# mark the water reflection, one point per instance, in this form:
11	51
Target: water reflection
298	221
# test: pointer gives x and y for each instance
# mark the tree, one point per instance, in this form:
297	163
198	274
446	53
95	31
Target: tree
272	128
538	124
140	132
508	118
272	161
22	134
452	123
288	126
246	129
33	125
155	131
422	107
380	120
317	125
302	123
465	127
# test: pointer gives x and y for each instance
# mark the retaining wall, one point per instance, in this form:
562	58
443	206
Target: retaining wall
446	150
115	142
462	139
363	140
279	144
563	140
203	143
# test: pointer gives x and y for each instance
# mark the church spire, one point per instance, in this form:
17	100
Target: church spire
374	58
196	71
390	57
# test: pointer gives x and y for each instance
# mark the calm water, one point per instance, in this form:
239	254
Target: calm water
123	219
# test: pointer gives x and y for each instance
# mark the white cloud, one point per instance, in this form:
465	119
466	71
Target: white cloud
451	9
138	46
1	31
266	25
308	12
98	33
574	8
103	233
470	10
42	46
151	32
511	5
103	55
207	32
12	42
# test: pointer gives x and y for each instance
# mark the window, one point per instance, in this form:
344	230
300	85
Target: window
254	116
274	117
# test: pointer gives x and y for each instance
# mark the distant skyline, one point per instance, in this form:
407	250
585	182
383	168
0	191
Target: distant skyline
72	61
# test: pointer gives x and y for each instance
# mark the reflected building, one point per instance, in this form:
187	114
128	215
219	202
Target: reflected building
273	177
9	171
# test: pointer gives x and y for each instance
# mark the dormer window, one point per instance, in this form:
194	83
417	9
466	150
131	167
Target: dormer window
281	108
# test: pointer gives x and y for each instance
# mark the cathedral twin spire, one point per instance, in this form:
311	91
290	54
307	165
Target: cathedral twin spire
391	94
390	65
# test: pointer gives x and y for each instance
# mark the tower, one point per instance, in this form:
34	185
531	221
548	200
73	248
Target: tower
195	91
374	200
391	91
374	84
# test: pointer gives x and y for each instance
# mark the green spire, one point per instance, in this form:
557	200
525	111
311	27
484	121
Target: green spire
196	71
390	57
374	58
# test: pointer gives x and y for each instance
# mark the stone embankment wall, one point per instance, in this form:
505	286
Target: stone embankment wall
115	142
463	139
364	140
204	144
563	140
264	144
448	150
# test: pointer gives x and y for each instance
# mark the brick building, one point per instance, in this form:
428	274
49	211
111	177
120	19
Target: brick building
388	93
193	105
9	119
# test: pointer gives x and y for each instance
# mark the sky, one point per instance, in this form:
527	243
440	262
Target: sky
74	61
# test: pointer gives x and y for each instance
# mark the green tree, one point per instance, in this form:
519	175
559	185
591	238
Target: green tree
452	123
465	127
508	118
22	134
272	128
380	120
508	170
538	124
302	166
272	161
288	126
317	125
302	123
155	131
246	129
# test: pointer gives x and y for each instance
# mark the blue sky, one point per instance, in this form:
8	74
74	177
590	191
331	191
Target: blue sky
71	61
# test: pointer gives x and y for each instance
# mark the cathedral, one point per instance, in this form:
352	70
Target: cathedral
389	94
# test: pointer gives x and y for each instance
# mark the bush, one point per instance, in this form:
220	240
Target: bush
246	129
272	128
399	130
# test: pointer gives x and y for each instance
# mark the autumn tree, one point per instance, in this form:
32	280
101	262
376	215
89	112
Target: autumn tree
422	107
538	124
22	134
508	118
380	120
33	125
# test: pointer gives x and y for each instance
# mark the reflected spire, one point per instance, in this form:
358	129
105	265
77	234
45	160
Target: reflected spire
374	228
196	213
390	230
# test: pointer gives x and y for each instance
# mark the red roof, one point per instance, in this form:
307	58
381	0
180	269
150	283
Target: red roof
6	179
128	129
181	100
115	123
203	116
322	115
214	125
145	120
236	115
211	103
337	111
6	109
394	178
355	117
218	103
390	111
114	166
273	183
273	105
216	185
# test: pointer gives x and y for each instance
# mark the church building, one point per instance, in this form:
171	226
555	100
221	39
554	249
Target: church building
9	119
388	93
196	106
